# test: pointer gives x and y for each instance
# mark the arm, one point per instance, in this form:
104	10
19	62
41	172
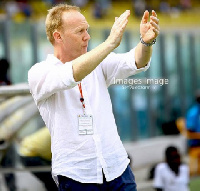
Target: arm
148	31
191	118
193	135
158	178
86	63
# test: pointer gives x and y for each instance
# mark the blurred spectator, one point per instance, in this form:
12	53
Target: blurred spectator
101	8
164	6
35	151
4	68
139	7
97	11
11	8
193	126
8	160
193	120
39	8
171	175
185	4
25	8
79	3
170	128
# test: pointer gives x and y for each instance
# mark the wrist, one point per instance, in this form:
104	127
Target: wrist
147	43
110	44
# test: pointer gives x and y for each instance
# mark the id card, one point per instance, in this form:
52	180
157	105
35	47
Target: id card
85	124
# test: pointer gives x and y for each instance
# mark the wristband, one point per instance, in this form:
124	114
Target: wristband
147	44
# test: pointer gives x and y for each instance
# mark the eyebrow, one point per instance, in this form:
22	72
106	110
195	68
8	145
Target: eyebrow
80	27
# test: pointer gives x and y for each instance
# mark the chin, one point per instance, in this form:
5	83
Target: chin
84	52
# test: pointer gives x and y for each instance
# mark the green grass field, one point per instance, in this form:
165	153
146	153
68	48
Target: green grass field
195	184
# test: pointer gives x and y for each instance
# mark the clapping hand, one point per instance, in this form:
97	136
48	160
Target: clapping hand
149	30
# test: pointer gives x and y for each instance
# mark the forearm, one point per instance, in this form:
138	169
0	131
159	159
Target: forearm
86	63
193	135
148	31
142	55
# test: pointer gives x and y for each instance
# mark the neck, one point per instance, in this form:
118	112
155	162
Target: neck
63	54
174	168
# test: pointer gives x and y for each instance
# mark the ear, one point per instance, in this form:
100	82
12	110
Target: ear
57	36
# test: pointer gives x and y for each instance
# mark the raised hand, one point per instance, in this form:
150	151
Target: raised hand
149	30
118	29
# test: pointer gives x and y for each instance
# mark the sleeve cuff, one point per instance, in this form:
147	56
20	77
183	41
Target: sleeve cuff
143	68
134	67
67	77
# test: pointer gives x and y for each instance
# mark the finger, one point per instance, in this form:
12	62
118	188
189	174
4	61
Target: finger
123	17
126	12
121	21
154	19
154	13
156	31
154	25
123	26
145	17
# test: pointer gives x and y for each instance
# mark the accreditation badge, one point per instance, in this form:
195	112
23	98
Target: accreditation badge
85	124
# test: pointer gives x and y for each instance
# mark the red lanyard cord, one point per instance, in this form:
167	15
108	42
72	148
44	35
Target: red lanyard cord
81	92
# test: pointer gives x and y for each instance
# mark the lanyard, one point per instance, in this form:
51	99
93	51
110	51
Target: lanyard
81	99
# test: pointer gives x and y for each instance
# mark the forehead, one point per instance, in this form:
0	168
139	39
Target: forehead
73	19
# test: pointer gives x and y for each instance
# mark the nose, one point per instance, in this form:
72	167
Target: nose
86	36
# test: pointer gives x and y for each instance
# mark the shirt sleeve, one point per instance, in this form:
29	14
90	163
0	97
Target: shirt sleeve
185	177
191	119
120	66
46	79
158	183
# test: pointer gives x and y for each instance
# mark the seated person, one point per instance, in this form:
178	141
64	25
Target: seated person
35	150
171	175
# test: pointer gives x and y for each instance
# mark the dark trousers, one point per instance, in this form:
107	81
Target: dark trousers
126	182
45	177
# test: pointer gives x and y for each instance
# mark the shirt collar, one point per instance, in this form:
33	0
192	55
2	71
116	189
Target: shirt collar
53	60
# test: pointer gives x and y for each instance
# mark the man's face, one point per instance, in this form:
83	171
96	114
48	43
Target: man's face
174	158
75	34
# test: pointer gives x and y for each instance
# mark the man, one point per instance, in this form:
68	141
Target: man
171	175
70	90
193	121
4	69
193	132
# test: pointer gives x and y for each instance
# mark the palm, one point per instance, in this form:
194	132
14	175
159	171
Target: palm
146	31
149	30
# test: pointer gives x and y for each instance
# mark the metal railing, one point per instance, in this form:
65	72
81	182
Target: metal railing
16	109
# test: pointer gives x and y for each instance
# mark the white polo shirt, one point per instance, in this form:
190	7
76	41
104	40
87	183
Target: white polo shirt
57	96
166	179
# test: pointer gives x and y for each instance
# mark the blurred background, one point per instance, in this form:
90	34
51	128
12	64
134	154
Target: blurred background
146	117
